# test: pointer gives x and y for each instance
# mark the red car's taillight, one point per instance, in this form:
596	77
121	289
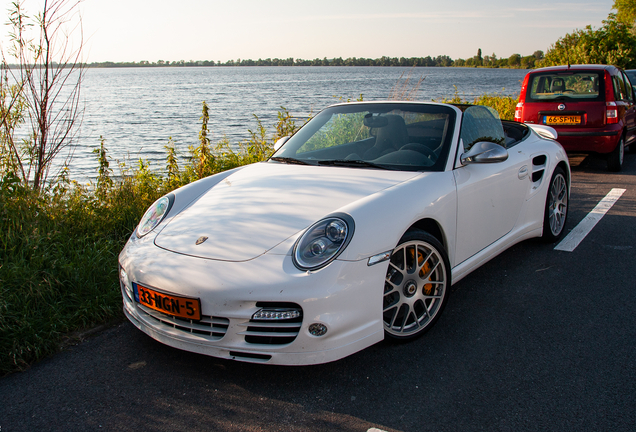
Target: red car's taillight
611	109
522	99
611	113
518	111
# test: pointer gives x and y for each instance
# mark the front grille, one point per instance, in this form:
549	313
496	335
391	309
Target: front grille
212	328
273	332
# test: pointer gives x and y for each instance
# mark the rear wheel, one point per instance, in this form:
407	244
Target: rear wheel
556	207
615	158
416	286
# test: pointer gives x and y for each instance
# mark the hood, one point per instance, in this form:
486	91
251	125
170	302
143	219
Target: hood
261	205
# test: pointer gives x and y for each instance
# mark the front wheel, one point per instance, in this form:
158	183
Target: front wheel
556	207
416	286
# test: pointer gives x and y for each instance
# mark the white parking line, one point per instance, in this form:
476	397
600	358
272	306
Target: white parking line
584	227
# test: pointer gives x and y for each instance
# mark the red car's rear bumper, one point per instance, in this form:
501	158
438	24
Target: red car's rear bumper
602	140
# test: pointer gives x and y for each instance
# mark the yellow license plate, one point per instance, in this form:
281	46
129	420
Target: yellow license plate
562	120
182	307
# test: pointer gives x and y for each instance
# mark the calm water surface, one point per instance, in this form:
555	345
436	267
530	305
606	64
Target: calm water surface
137	110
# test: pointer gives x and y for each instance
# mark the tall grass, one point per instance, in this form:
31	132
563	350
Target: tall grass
58	249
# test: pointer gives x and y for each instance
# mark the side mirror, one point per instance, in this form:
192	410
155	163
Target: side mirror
280	142
485	152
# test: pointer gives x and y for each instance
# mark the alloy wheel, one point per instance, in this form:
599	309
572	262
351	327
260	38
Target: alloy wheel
414	289
557	204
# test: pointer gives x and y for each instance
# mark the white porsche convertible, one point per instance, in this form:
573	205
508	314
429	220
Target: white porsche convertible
351	233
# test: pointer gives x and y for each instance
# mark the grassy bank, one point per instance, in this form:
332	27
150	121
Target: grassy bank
58	249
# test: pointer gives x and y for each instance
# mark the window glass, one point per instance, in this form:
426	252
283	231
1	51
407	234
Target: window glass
481	123
631	75
389	135
579	86
628	87
620	91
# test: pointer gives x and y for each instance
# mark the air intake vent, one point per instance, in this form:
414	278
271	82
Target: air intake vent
538	169
211	328
250	356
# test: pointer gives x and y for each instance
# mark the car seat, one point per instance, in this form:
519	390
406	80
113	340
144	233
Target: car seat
388	138
558	85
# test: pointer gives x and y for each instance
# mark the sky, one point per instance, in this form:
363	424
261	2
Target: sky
173	30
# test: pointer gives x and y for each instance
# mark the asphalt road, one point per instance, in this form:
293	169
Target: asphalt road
535	340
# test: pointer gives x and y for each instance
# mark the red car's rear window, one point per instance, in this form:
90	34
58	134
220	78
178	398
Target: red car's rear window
563	86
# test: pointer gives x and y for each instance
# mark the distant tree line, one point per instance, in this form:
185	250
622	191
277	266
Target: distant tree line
514	61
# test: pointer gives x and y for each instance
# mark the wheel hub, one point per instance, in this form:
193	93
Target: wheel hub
410	288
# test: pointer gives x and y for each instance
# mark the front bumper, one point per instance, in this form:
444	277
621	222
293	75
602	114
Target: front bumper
345	296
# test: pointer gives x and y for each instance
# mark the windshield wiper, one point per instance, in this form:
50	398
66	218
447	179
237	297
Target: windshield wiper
289	160
351	163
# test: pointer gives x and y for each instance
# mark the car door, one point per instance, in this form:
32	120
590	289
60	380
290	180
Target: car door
630	110
490	196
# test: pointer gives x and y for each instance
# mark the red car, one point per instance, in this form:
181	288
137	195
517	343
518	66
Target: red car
592	107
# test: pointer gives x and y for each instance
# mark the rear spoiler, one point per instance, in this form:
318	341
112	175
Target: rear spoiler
544	131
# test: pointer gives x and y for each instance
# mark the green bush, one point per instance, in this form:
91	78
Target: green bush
504	104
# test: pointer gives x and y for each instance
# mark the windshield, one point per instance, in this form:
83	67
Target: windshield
398	136
575	86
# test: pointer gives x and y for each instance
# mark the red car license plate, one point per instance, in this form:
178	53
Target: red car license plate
182	307
562	120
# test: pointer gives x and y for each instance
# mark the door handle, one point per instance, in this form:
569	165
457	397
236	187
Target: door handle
523	172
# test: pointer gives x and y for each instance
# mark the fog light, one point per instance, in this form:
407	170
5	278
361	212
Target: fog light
317	329
276	314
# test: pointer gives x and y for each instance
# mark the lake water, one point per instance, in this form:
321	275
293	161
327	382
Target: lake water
136	110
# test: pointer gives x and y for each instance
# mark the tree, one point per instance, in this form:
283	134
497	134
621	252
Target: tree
626	12
479	61
514	60
613	44
49	73
527	62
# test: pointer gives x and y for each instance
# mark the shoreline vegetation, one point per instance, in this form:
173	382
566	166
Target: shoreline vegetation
515	61
59	246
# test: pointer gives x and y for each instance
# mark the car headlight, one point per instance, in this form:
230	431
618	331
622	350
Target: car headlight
323	242
154	215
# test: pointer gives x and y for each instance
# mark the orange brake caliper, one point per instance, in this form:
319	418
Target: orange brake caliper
428	288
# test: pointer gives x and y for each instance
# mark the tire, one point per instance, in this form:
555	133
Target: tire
411	305
616	157
556	207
